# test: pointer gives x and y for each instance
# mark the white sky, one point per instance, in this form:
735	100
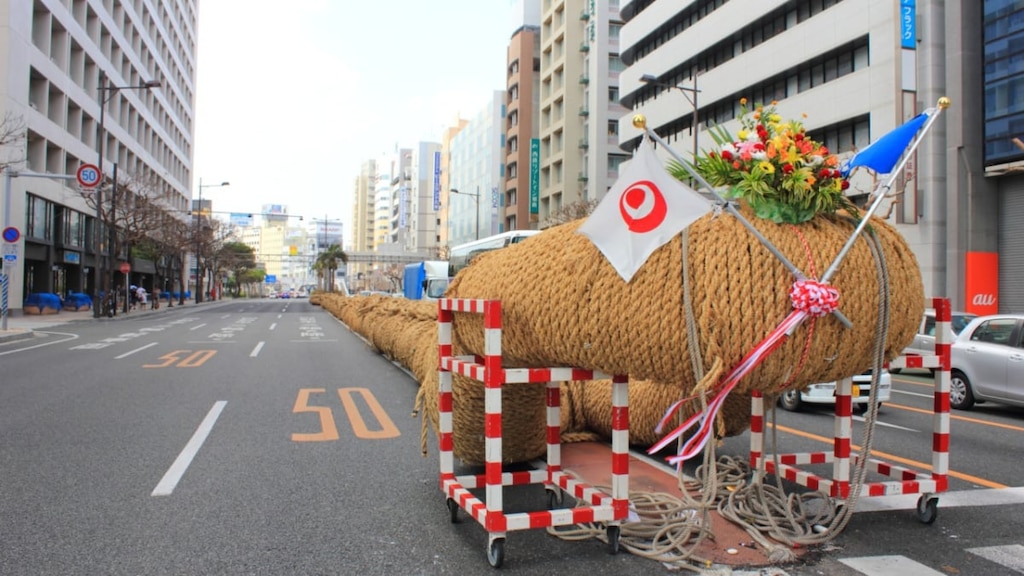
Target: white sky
293	96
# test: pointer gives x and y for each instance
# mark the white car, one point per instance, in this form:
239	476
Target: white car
825	393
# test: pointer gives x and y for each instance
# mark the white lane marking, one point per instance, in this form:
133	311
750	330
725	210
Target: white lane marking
954	499
1011	556
225	316
256	351
279	316
197	327
68	339
918	394
880	423
181	463
129	353
889	566
274	325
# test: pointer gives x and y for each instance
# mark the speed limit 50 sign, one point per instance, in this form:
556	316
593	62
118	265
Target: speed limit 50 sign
88	175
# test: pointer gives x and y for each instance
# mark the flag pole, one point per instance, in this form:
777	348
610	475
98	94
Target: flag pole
640	121
943	103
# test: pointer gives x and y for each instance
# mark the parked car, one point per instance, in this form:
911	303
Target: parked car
924	340
987	362
825	393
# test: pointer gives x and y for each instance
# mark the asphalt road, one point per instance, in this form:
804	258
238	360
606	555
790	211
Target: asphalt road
263	437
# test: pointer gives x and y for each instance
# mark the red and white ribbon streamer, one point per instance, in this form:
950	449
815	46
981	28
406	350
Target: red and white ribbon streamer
752	360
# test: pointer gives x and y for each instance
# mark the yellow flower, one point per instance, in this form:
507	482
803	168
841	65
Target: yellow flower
742	134
766	167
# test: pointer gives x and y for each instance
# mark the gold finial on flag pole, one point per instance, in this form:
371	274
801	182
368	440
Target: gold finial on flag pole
640	121
944	102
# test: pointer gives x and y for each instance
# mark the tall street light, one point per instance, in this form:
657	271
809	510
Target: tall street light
687	92
476	203
199	213
106	91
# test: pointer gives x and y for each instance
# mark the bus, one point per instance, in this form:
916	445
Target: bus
460	256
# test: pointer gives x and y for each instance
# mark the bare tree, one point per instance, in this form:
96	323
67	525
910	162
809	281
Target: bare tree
13	131
570	212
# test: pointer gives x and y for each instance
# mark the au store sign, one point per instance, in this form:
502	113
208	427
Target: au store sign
982	283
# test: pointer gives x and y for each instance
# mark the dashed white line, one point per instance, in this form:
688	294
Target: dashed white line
256	351
274	325
181	463
197	327
129	353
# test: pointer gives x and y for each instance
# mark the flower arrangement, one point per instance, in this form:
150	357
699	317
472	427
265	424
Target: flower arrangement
772	164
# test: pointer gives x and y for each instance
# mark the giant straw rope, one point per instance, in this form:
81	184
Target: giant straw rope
564	305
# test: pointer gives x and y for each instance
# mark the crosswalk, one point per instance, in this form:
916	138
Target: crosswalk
1004	560
997	561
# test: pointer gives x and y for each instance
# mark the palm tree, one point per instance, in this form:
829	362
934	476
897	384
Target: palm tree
327	261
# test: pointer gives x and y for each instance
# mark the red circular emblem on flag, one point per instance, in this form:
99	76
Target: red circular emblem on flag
642	206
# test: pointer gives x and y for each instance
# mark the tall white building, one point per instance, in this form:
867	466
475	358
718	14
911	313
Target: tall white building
476	167
66	65
858	69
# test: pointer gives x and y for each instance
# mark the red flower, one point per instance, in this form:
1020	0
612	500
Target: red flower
787	168
726	155
737	164
845	184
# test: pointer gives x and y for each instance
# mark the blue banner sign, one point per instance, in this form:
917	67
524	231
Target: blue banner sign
534	175
437	181
908	24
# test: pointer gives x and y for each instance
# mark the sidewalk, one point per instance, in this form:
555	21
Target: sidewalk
21	326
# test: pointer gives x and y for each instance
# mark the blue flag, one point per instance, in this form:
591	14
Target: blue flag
883	154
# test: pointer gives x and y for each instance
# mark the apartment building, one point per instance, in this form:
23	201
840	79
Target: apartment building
857	69
82	77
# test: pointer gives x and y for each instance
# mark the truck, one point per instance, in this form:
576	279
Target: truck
426	280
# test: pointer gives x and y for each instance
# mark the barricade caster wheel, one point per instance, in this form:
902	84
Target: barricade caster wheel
927	508
496	552
453	510
613	539
555	498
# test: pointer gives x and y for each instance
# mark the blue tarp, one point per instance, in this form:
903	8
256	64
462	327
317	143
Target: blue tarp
78	301
44	301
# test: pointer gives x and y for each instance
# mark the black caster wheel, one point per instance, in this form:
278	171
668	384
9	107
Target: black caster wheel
927	509
453	510
613	539
496	552
555	498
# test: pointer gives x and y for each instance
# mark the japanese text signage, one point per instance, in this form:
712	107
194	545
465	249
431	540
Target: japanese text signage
908	24
534	175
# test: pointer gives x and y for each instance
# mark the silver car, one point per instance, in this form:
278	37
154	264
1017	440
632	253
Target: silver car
924	340
987	362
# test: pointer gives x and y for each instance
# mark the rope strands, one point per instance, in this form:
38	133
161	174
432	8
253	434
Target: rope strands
565	305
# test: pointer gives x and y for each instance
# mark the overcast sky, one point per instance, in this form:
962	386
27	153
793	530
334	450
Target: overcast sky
293	96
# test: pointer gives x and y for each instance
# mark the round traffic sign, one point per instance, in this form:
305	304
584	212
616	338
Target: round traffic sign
88	175
11	234
125	267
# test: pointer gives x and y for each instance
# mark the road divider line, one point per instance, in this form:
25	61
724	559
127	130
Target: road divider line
256	351
197	327
129	353
274	325
170	480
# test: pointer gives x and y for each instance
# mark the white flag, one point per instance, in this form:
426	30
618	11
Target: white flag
645	209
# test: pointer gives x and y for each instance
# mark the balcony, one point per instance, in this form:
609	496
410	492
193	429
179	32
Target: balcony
585	15
584	111
584	79
584	144
582	177
584	47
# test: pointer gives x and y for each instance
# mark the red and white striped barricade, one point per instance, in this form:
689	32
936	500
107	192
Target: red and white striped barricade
610	510
906	480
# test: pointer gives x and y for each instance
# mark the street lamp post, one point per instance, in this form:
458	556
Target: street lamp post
106	92
199	213
687	91
476	203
